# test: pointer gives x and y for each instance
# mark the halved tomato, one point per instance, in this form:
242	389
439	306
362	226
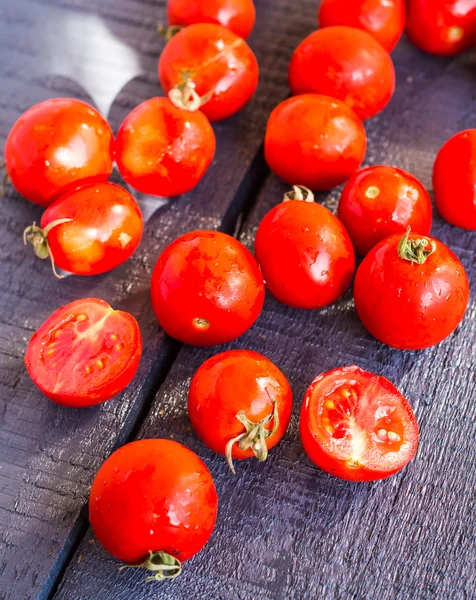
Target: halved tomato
85	353
357	425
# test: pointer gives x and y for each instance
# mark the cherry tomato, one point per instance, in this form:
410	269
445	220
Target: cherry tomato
347	64
314	140
240	404
304	252
383	19
454	180
357	426
236	15
90	230
412	292
153	504
164	150
441	27
207	289
85	353
220	65
56	146
379	201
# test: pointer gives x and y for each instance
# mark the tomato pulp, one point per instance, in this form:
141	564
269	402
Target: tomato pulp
357	426
84	353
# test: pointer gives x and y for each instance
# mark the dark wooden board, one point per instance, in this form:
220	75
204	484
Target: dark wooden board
285	530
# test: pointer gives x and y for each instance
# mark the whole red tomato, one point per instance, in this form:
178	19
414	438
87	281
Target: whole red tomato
379	201
153	504
56	146
347	64
454	180
84	353
240	404
383	19
357	426
441	27
314	140
207	288
304	252
164	150
89	231
236	15
412	292
220	65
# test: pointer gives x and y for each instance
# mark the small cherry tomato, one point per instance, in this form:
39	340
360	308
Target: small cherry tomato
383	19
347	64
380	201
412	292
89	231
357	426
454	180
314	140
153	504
441	27
55	147
304	251
240	404
219	64
163	149
207	288
85	353
236	15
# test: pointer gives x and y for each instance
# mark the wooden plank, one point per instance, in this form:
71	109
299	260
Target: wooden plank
285	529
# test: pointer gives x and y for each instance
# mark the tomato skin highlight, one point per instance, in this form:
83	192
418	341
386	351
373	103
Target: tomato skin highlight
218	62
237	16
454	180
406	305
346	64
153	495
164	150
231	382
305	254
345	443
55	146
315	141
97	365
441	27
105	230
384	20
206	289
380	201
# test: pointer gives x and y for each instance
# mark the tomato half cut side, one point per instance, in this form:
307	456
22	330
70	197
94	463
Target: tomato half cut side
357	425
85	353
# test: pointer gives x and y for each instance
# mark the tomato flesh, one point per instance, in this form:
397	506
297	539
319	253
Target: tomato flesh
357	425
85	353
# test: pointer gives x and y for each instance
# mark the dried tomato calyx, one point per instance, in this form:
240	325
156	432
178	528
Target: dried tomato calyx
38	238
415	251
168	32
185	96
163	565
299	192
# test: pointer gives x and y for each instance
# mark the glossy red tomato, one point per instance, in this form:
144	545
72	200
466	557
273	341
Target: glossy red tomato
411	292
315	141
357	426
347	64
454	180
85	353
164	150
442	27
379	201
219	63
236	15
207	289
240	404
153	504
304	252
383	19
56	146
90	230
